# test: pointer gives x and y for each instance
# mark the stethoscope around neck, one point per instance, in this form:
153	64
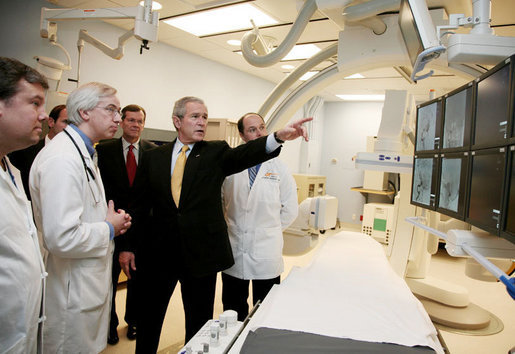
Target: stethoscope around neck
86	168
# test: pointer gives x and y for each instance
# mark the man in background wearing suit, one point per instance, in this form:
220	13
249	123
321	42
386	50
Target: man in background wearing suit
118	161
22	159
185	234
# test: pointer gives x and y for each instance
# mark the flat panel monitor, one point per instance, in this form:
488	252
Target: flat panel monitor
419	34
493	100
452	185
486	188
457	119
410	32
425	174
429	120
509	210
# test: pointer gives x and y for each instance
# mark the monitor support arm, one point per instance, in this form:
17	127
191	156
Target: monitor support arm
461	243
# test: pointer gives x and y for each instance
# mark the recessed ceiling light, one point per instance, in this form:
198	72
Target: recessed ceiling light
308	75
361	97
302	51
155	5
234	42
287	66
221	19
354	76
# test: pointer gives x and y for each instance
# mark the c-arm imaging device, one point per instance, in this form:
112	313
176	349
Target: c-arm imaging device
361	22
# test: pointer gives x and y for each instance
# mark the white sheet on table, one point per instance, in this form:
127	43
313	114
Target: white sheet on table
349	291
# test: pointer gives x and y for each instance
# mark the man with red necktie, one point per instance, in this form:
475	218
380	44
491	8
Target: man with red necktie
118	161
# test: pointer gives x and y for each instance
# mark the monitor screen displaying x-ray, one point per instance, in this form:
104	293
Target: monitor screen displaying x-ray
486	188
452	184
492	108
424	181
457	118
428	126
470	176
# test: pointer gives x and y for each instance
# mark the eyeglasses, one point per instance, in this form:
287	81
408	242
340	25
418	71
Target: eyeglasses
112	110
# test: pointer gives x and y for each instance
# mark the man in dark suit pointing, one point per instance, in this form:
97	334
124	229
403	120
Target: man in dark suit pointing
186	236
118	161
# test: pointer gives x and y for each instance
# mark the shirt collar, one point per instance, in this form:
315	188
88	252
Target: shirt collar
178	146
125	144
85	138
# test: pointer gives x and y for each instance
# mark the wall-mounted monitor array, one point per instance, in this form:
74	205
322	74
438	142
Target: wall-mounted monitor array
464	162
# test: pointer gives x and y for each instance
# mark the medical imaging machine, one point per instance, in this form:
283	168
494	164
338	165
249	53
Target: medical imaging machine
410	38
416	38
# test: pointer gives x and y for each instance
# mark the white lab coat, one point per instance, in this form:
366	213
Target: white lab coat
21	271
257	217
70	213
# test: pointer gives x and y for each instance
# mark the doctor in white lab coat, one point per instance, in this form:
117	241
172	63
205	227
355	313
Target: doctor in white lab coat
77	224
22	97
256	216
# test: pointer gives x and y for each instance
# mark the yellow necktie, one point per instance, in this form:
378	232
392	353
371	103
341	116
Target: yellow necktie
177	174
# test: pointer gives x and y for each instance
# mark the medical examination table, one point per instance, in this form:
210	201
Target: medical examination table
347	300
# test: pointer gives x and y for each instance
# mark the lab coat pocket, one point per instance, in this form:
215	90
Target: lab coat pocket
94	288
268	243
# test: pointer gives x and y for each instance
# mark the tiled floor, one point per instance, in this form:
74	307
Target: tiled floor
490	296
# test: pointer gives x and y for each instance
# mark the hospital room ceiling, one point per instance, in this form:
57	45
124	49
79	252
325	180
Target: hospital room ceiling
320	31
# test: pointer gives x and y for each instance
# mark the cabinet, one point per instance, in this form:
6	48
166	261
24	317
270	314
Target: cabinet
222	129
309	186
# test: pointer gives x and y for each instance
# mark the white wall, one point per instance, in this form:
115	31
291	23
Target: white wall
346	126
154	80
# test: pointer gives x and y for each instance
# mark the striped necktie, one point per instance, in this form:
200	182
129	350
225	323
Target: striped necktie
253	171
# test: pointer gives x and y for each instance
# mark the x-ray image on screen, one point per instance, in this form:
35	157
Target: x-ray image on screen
422	181
457	112
426	127
450	184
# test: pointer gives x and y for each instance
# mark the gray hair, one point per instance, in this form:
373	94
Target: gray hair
85	98
179	109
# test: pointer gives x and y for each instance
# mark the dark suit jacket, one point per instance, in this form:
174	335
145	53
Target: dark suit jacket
193	236
111	163
22	160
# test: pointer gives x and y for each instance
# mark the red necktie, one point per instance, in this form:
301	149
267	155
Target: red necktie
131	165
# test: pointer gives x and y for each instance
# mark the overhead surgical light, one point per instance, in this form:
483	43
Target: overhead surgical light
221	20
145	29
361	97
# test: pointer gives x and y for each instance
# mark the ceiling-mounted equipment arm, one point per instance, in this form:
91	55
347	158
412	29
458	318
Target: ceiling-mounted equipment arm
284	48
145	25
115	53
365	14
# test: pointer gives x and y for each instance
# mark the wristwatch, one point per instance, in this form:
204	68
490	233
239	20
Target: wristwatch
277	138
